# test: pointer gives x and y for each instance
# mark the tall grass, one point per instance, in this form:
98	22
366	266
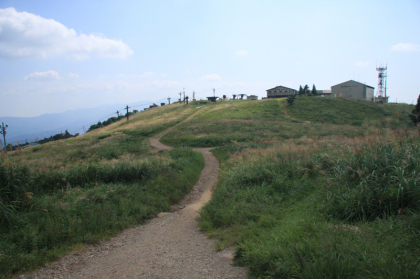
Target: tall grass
45	215
376	181
313	208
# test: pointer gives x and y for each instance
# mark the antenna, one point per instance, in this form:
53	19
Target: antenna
382	80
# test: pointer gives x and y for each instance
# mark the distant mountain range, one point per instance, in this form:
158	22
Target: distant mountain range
29	129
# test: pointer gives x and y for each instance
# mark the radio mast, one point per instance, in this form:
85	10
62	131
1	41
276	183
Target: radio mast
382	80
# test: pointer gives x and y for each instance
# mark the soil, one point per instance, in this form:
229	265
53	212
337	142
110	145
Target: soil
169	246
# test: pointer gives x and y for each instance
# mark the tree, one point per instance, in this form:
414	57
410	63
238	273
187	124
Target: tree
291	99
306	90
300	90
415	114
314	92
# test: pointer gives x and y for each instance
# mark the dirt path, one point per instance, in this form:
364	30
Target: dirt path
169	246
284	109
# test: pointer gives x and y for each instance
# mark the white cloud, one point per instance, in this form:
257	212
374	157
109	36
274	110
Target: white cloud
241	52
406	47
48	75
25	35
361	63
73	75
211	77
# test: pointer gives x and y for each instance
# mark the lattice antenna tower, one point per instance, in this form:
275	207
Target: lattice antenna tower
382	80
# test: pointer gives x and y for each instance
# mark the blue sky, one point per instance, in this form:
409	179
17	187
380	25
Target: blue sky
62	55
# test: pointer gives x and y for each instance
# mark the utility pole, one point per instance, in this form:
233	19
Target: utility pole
193	96
127	107
180	97
186	98
169	101
3	131
184	94
118	114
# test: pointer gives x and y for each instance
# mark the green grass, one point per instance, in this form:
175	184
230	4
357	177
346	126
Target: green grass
343	111
265	122
286	208
85	204
208	133
244	110
330	192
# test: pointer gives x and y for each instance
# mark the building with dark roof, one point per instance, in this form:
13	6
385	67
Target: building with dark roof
280	92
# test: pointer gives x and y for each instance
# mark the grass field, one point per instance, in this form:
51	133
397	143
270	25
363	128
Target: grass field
333	208
265	121
62	195
102	145
344	204
343	111
330	192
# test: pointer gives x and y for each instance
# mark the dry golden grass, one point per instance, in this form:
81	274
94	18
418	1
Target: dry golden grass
307	146
60	155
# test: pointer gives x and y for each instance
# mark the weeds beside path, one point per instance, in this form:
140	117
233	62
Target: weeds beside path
169	246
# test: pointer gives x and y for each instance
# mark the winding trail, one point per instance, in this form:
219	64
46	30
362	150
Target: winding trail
169	246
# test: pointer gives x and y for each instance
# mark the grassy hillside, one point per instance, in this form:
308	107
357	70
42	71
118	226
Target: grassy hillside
322	207
332	191
349	111
59	196
265	122
105	144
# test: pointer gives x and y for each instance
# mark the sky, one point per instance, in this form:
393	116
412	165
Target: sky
64	55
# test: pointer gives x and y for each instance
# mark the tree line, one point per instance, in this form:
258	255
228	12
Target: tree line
303	91
306	91
59	136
